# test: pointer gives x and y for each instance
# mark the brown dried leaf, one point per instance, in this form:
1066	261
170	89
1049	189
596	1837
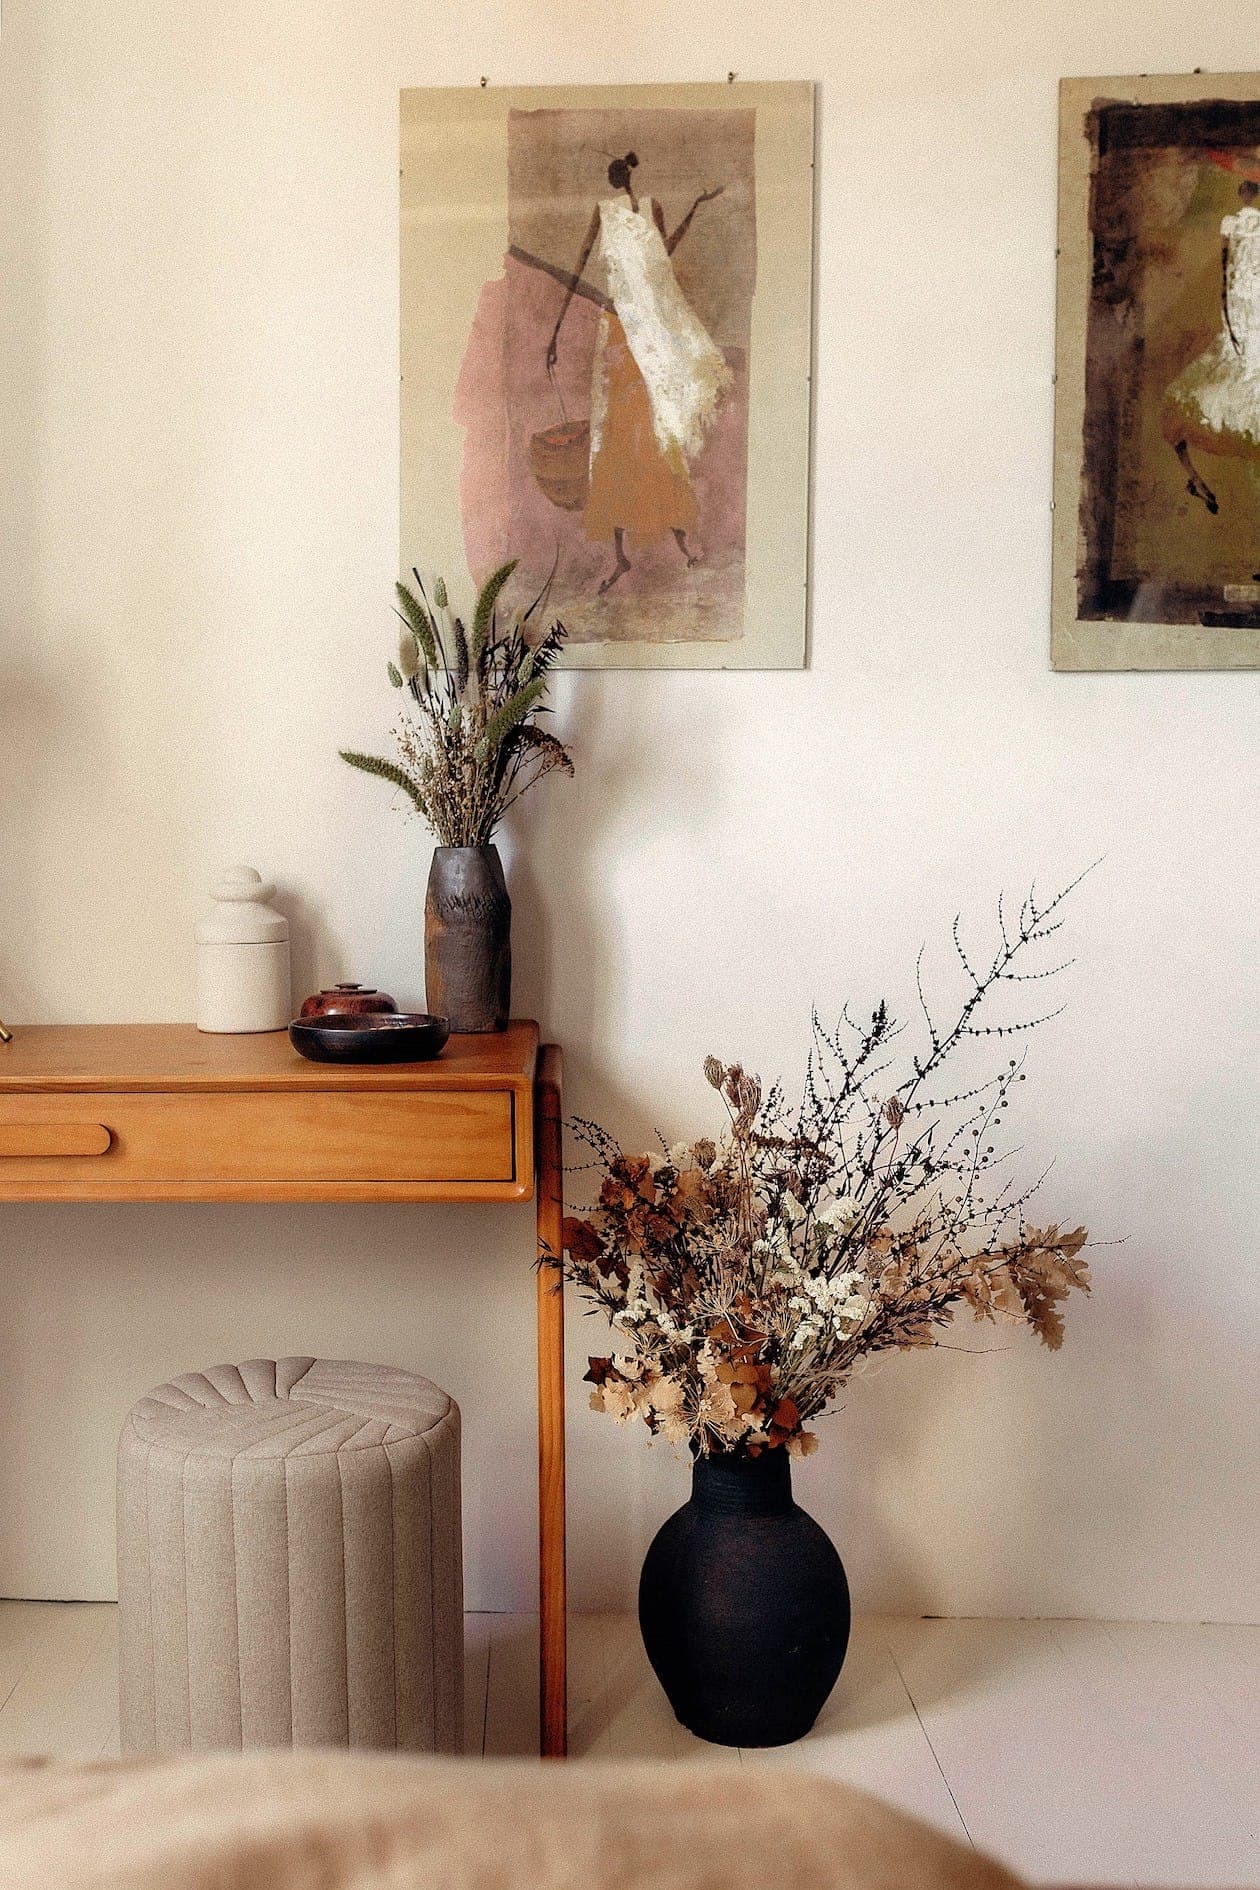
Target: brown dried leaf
692	1197
581	1240
784	1420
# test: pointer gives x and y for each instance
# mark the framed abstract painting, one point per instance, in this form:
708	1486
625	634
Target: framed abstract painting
606	325
1157	412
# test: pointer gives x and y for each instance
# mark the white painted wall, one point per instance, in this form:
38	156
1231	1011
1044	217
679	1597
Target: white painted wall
198	486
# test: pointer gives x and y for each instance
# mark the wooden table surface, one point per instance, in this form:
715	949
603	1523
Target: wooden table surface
79	1057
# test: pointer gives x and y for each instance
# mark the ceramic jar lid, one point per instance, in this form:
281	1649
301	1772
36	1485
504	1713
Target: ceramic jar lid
240	914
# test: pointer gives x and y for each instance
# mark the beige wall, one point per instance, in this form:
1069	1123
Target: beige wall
198	491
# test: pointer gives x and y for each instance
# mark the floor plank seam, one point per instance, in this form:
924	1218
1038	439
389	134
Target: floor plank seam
18	1678
485	1691
931	1748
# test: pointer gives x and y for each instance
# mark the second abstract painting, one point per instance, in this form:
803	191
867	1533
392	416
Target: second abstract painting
1157	489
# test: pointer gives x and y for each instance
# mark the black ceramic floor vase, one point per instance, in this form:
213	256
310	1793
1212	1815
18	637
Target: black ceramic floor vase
468	939
744	1605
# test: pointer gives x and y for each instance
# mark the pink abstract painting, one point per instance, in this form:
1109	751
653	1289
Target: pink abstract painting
603	393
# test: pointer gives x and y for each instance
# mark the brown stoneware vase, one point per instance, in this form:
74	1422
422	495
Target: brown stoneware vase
468	939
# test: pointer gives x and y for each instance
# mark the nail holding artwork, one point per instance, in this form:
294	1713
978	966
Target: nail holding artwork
1157	449
606	323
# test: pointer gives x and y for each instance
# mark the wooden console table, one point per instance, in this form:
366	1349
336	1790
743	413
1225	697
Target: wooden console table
160	1112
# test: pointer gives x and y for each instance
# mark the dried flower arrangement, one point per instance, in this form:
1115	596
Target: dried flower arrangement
469	743
749	1274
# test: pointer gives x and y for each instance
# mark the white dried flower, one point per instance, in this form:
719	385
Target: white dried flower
841	1212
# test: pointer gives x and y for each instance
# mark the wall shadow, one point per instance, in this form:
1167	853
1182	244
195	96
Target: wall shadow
29	697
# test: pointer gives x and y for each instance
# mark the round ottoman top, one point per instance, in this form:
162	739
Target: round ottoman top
288	1407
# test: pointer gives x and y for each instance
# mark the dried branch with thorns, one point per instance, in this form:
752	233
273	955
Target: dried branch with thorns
747	1275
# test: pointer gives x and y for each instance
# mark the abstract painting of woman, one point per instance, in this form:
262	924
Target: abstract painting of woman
598	381
657	380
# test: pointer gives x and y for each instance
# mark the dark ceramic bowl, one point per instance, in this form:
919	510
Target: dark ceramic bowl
378	1037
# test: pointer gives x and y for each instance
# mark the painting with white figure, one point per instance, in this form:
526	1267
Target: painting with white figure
1157	489
606	318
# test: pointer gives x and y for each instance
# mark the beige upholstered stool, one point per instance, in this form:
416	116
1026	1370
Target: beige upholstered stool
289	1561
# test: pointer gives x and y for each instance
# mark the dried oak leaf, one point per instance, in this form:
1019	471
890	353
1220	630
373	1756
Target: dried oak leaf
612	1267
804	1444
748	1383
914	1331
582	1240
1043	1315
691	1197
628	1182
785	1420
744	1347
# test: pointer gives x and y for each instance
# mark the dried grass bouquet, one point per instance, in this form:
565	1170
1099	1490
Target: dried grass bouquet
748	1274
469	744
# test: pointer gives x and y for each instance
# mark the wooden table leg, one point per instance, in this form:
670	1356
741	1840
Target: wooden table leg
549	1181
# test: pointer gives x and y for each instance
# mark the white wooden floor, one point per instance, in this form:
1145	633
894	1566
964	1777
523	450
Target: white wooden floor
1080	1752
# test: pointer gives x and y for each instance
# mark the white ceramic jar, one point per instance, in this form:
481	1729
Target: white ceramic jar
243	958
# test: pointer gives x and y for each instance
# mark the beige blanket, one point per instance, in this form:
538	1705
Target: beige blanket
323	1821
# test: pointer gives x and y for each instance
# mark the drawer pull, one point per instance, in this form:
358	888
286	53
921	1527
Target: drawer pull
54	1138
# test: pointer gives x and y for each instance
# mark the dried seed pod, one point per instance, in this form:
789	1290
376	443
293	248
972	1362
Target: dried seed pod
714	1072
408	655
745	1097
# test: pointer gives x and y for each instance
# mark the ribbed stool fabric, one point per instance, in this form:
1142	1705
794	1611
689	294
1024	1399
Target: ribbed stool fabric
289	1561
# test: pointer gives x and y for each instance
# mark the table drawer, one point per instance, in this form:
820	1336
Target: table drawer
112	1141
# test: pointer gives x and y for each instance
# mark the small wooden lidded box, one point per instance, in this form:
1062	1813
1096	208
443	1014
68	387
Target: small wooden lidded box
161	1112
